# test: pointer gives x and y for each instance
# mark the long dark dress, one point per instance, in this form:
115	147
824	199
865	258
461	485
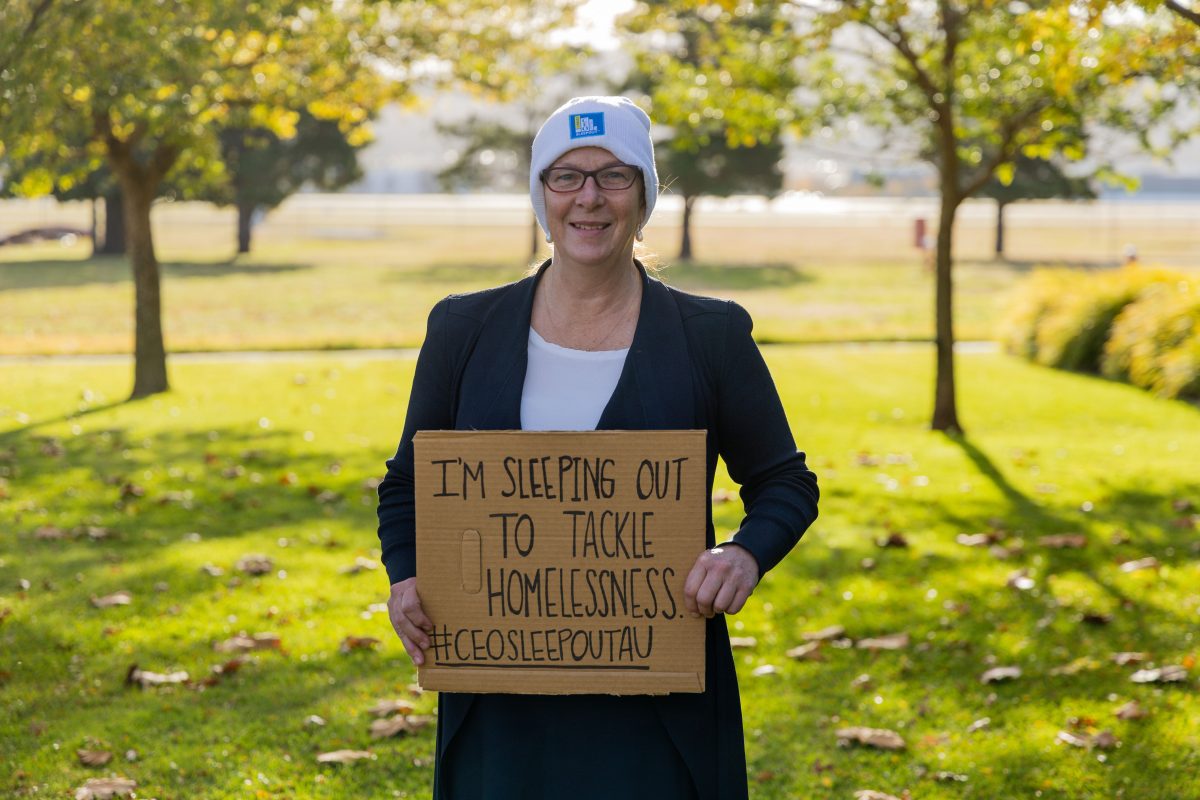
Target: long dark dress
692	365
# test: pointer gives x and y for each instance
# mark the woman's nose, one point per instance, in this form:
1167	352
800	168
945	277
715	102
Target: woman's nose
589	194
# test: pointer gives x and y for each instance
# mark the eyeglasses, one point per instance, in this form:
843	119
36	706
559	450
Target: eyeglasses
568	179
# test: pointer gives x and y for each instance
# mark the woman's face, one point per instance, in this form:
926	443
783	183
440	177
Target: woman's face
591	225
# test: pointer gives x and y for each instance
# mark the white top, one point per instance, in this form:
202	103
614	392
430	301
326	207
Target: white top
565	389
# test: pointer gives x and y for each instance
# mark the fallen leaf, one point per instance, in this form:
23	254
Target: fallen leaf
360	564
1149	562
979	724
385	707
146	678
1131	710
1003	553
1104	740
357	643
764	776
832	632
765	669
255	564
803	652
1095	618
975	539
235	471
132	490
871	737
371	484
105	788
871	794
742	642
892	641
1000	674
121	598
1063	541
415	689
244	644
863	681
93	758
343	756
213	570
720	496
1121	659
314	721
95	532
947	777
327	496
1182	505
1019	580
49	532
893	540
1081	664
1172	673
401	723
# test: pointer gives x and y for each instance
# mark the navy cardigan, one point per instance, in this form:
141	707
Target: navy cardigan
692	365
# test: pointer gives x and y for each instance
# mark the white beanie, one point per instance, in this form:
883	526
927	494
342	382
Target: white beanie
613	123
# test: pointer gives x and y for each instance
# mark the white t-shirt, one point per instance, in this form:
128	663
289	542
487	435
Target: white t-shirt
565	389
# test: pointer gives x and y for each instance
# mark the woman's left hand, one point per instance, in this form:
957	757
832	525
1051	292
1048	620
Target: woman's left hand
720	582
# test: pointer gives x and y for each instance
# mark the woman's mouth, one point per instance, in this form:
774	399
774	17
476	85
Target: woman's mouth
589	226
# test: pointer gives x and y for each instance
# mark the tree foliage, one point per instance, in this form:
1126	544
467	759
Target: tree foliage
985	82
145	87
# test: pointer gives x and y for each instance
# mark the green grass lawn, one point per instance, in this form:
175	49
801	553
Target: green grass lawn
274	458
319	294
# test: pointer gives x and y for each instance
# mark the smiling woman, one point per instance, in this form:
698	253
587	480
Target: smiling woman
591	342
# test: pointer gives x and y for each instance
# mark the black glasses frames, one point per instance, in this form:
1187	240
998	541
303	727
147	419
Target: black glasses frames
614	177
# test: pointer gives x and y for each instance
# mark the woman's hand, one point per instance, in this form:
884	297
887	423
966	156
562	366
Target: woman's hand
408	619
721	581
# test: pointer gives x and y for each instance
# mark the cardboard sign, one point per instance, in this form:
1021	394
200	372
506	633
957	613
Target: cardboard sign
554	563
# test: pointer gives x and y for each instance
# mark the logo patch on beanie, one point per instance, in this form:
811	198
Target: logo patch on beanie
587	124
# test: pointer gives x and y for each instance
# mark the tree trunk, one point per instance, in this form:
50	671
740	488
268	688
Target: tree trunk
1000	230
95	228
685	246
149	353
945	407
114	223
245	212
535	231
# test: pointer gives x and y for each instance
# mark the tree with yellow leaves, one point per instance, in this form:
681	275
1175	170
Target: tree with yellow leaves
146	87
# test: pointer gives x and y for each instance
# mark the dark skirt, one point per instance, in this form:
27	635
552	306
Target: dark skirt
581	747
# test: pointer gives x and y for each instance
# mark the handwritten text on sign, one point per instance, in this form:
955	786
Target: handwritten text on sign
555	562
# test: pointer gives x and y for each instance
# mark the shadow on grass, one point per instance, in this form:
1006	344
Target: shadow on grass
471	276
53	274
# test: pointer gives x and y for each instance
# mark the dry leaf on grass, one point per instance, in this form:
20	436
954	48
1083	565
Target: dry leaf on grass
832	632
1123	658
1081	664
49	532
720	496
976	539
255	564
105	788
401	723
121	598
1095	618
893	540
242	643
213	570
1171	673
863	681
892	641
93	758
344	756
314	721
324	497
1104	740
1131	710
1019	580
742	642
360	565
949	777
806	652
1150	562
146	678
357	643
872	794
385	707
1000	674
764	670
1061	541
871	737
979	724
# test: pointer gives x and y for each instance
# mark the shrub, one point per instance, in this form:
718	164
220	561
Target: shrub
1033	301
1155	341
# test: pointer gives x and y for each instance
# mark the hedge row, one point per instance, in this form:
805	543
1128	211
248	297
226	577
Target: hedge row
1132	324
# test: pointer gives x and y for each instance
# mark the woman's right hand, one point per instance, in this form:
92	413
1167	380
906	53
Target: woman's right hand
409	620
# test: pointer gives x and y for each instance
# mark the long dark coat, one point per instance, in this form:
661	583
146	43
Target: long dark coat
692	365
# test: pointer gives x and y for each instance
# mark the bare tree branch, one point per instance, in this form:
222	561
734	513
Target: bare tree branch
1188	14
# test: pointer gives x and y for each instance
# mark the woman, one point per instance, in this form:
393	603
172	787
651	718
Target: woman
592	342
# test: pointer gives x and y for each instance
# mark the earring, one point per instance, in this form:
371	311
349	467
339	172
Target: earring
638	235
